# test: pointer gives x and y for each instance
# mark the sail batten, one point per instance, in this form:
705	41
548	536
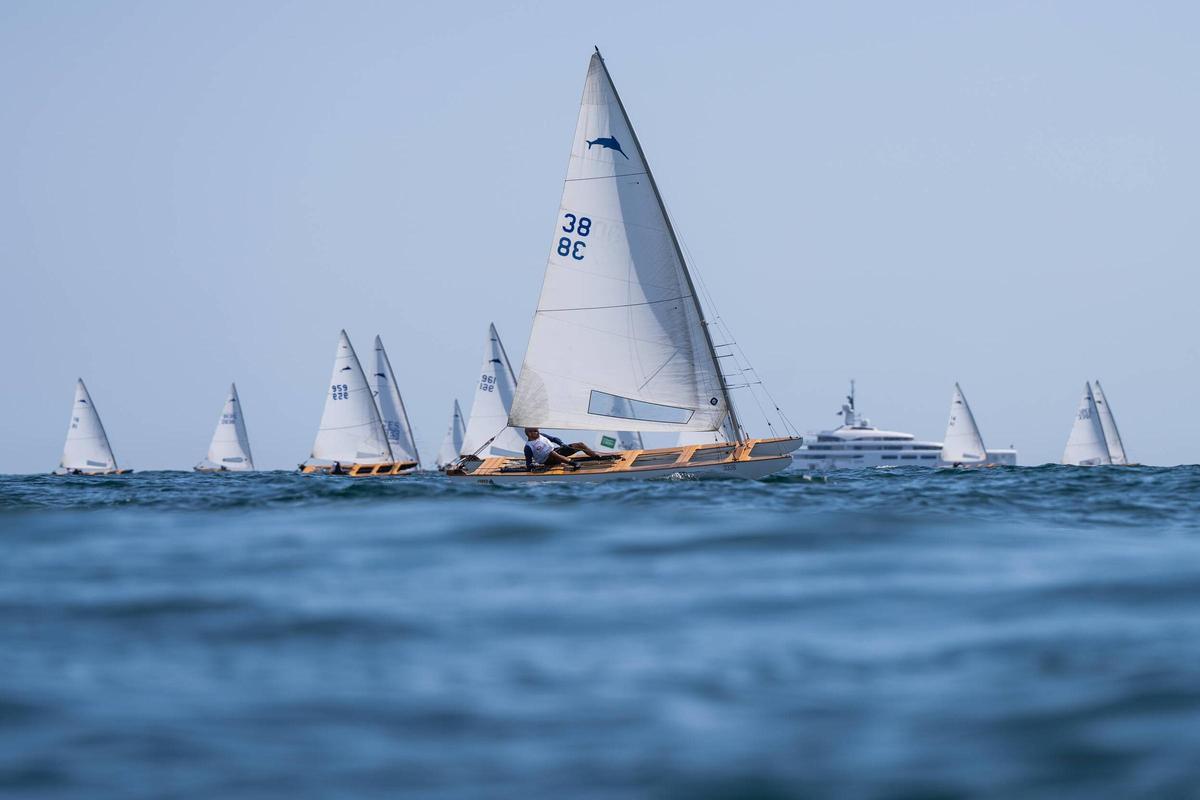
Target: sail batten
619	338
351	430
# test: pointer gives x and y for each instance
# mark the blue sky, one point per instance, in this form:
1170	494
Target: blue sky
908	194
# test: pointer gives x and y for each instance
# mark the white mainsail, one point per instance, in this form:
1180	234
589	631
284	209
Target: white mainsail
1086	446
351	430
452	443
963	443
230	446
618	339
493	400
1112	436
391	408
87	448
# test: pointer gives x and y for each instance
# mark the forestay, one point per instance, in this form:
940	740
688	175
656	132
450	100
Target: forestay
618	340
1086	446
452	443
963	443
230	446
1108	423
351	430
87	445
392	413
489	410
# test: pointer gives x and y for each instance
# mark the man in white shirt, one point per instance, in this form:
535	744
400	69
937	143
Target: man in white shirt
541	449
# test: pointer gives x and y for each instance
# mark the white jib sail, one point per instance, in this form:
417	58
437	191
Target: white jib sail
351	431
618	340
1112	436
1086	446
391	408
963	443
87	447
452	443
230	446
493	399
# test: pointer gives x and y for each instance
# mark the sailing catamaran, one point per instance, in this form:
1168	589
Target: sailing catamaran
229	450
87	451
619	338
1086	446
963	445
391	409
452	442
351	439
1108	423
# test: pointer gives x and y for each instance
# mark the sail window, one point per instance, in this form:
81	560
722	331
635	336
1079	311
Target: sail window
610	405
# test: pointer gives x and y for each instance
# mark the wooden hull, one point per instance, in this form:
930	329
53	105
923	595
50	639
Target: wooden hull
362	470
99	473
751	460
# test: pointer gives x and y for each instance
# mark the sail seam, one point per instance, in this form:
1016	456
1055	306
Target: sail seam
620	305
602	177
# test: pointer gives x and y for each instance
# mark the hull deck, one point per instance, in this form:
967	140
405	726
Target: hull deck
753	459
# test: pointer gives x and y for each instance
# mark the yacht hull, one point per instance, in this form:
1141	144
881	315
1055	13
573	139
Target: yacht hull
749	460
99	473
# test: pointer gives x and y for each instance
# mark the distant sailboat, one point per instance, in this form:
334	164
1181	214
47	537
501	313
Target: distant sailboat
1086	447
488	433
351	439
1108	423
229	450
87	451
963	445
453	441
391	409
619	339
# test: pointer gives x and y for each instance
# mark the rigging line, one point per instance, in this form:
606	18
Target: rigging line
602	177
621	305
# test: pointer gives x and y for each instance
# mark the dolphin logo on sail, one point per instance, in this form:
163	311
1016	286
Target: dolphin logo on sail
609	142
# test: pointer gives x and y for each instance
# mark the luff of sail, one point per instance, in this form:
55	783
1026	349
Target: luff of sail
490	408
452	442
392	413
1086	446
963	443
618	340
230	446
86	448
1108	423
351	431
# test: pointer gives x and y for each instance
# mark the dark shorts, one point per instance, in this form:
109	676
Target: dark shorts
566	450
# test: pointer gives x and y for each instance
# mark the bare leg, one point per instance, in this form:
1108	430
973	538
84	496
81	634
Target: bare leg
556	458
585	448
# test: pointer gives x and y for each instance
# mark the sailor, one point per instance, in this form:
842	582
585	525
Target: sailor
541	449
337	469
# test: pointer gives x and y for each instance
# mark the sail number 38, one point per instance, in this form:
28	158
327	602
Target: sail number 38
581	227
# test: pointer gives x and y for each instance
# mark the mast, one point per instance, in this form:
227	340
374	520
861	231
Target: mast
712	351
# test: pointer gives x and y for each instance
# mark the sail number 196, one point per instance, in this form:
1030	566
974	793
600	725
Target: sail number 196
581	227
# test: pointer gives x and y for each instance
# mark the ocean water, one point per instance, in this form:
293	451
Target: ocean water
1026	632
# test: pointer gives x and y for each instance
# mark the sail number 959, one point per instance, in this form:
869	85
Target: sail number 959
581	227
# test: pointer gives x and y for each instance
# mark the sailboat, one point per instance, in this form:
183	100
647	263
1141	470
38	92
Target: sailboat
391	409
229	450
452	442
1108	423
619	338
87	451
351	439
488	433
963	445
1086	446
